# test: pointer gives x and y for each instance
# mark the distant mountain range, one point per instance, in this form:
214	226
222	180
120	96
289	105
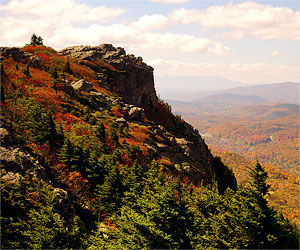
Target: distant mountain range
229	98
185	87
287	92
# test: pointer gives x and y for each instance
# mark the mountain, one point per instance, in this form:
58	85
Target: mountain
230	99
186	88
287	92
92	159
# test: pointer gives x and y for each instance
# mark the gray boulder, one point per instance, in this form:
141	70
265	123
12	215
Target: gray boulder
82	85
136	113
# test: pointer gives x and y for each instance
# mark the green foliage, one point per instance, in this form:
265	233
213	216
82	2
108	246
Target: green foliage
26	71
40	124
46	228
259	177
110	193
54	73
36	40
67	67
100	132
31	216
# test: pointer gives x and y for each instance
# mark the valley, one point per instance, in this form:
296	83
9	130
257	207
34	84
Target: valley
240	134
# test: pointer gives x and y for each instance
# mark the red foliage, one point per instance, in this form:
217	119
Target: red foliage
75	183
67	119
117	112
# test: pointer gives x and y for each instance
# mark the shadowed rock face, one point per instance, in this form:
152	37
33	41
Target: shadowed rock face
22	56
132	79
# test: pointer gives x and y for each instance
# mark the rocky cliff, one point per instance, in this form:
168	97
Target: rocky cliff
128	76
132	79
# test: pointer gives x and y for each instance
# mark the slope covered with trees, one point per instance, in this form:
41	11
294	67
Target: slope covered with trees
240	134
83	169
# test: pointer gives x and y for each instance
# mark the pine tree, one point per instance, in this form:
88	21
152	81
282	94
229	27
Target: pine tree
67	67
100	132
26	71
110	193
36	40
259	177
66	153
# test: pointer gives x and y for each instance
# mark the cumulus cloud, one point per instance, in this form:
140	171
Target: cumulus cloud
248	73
151	22
66	22
169	1
64	11
255	19
275	53
136	40
21	18
234	35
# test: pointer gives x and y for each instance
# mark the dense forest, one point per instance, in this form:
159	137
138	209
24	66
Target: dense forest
76	172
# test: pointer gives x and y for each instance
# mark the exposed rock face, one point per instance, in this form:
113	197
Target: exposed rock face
82	85
11	154
22	56
129	76
190	151
136	113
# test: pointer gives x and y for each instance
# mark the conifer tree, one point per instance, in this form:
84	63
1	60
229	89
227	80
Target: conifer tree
36	40
110	193
26	71
66	153
100	132
67	67
259	177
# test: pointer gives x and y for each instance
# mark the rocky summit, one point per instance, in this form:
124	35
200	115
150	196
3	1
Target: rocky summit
129	76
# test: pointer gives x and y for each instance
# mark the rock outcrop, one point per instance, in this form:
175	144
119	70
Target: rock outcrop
82	85
21	56
126	75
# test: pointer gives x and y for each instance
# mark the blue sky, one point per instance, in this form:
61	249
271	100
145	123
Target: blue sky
246	41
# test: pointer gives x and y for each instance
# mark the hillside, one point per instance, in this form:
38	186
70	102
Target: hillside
240	134
91	158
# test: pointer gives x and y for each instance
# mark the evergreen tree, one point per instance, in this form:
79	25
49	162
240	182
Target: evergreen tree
66	153
110	193
26	71
54	73
160	218
67	67
36	40
100	132
40	124
258	181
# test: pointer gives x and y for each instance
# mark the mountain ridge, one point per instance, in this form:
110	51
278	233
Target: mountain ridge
286	92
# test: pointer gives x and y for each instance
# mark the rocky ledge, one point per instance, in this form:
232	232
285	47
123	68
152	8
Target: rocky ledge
126	75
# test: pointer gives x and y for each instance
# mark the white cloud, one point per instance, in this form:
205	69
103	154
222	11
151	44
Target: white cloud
169	1
62	27
248	73
151	22
62	11
275	53
135	40
234	35
255	19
